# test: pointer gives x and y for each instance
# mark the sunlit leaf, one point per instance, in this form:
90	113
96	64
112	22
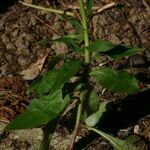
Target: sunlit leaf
92	103
94	118
118	81
116	143
40	111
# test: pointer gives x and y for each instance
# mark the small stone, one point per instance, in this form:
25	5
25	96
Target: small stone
15	33
2	27
48	16
136	129
10	46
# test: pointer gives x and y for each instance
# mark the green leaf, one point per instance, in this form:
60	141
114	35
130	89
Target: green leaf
93	103
112	50
44	84
67	40
40	111
55	60
70	42
94	118
118	81
75	36
101	46
69	69
122	51
77	24
54	80
89	5
44	41
116	143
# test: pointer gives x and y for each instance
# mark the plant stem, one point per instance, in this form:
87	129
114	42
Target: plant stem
87	60
47	9
79	111
85	32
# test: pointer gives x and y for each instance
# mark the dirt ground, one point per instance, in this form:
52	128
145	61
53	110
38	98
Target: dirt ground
21	28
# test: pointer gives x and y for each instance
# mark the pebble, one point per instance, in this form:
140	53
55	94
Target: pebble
1	27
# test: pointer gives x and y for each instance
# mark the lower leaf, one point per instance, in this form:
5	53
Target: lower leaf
40	111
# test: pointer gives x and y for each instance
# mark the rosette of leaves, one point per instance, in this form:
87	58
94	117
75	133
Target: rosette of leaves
51	100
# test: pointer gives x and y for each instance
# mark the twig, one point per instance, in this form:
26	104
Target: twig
113	4
71	106
106	7
47	9
46	24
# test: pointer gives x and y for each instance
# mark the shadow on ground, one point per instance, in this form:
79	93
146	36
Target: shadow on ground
122	114
5	4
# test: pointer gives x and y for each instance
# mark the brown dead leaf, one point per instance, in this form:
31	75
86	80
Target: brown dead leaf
34	69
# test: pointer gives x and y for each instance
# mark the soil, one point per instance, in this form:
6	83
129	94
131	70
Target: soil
21	29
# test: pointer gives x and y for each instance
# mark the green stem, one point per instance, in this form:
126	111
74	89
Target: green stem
47	9
87	60
85	32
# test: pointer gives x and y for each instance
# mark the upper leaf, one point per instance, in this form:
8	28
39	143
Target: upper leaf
67	40
101	46
54	80
112	50
118	81
70	42
40	111
122	51
69	69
